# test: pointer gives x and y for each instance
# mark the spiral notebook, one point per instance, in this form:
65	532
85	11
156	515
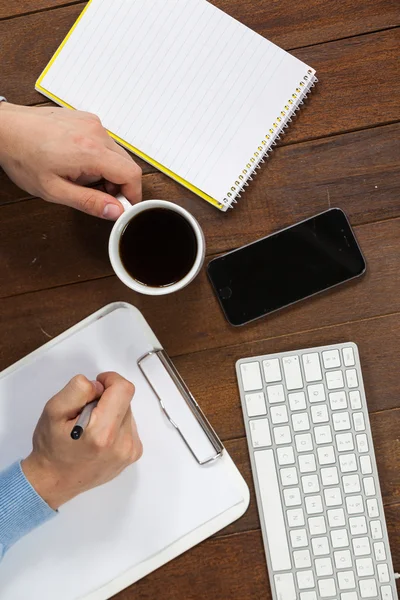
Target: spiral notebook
183	85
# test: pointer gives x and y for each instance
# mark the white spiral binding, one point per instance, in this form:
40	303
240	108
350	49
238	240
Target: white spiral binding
269	140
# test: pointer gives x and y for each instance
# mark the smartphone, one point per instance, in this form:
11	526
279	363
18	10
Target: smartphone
285	267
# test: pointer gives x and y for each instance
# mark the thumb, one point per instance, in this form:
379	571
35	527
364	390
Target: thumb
69	402
88	200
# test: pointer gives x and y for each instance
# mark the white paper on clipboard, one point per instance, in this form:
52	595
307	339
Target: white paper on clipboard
156	509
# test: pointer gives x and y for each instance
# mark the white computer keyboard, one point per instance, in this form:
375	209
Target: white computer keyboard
315	475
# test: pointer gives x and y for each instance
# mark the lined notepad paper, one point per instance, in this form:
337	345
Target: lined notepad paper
181	84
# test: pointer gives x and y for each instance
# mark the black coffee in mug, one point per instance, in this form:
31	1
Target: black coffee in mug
158	247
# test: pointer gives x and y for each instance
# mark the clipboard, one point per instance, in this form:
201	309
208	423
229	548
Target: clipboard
204	457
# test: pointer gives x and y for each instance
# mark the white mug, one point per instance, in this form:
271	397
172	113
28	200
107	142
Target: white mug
130	211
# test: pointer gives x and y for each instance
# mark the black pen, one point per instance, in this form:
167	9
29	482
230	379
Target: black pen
83	420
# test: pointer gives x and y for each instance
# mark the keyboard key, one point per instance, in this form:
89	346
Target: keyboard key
297	401
351	484
305	580
255	404
291	368
351	378
348	462
260	433
368	588
317	525
313	505
275	393
355	505
292	497
338	400
308	596
349	596
358	525
323	566
334	380
376	530
307	463
282	435
329	476
312	367
299	538
342	559
361	546
285	456
333	497
346	580
327	588
289	476
272	370
358	420
302	559
355	399
383	573
369	486
303	442
348	357
379	551
326	455
341	421
372	508
310	484
319	414
279	414
331	359
272	510
336	517
316	393
365	567
339	538
295	517
251	376
320	546
344	442
284	586
386	592
366	465
323	434
300	422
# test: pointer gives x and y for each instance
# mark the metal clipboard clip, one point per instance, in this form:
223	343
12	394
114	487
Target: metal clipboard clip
190	401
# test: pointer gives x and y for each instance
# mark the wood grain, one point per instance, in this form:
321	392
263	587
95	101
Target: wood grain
342	150
21	7
357	171
353	92
376	293
272	18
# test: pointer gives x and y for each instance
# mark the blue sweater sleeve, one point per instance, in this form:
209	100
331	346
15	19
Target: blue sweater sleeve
21	508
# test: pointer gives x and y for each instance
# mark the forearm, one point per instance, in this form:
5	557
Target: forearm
21	508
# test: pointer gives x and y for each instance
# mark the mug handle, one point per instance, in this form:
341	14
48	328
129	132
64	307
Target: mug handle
125	203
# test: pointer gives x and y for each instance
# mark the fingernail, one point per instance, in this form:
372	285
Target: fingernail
112	212
98	387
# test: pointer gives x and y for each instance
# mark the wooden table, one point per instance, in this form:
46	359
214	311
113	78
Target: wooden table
343	150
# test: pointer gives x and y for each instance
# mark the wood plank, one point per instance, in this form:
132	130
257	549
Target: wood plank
357	171
20	7
385	427
339	104
29	321
272	19
231	567
376	293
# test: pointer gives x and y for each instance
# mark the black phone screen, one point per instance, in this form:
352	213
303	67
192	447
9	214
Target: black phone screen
285	267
